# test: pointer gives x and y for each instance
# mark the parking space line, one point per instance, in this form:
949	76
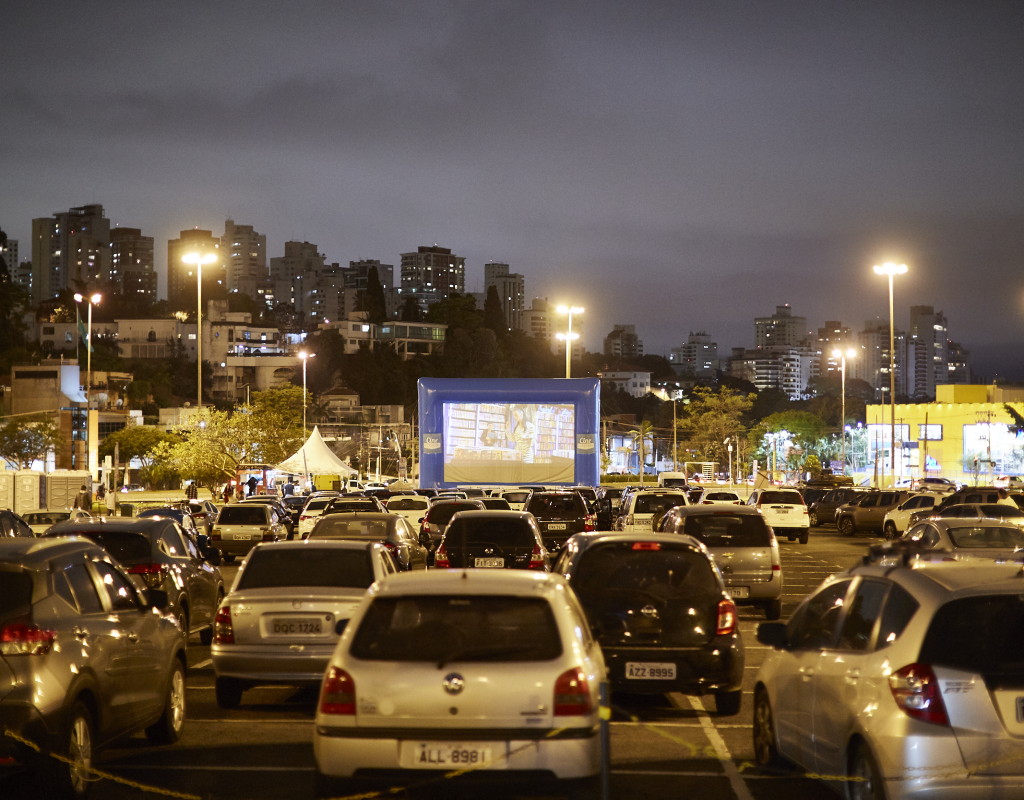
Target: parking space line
650	724
203	664
718	743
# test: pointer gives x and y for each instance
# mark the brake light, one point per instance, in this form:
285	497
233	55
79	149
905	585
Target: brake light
590	522
223	633
392	548
216	534
572	694
304	517
726	618
646	545
152	574
338	693
20	637
268	535
536	558
916	690
441	558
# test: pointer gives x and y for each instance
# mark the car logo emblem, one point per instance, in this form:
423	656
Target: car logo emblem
489	551
453	683
649	611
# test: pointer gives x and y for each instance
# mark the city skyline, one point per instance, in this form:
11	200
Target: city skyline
671	167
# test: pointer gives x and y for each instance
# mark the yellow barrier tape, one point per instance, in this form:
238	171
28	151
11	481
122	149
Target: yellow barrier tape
95	774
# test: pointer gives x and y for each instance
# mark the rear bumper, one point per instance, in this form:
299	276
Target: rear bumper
756	591
277	665
716	667
235	547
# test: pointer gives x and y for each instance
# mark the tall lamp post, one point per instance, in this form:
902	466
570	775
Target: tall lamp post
568	336
842	371
199	259
305	357
890	269
93	301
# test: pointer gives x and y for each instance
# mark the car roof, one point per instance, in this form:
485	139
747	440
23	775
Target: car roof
34	552
493	513
338	544
711	511
382	516
143	525
661	490
586	540
472	581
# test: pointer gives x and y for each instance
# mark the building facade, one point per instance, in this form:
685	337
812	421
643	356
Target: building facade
132	271
511	287
245	258
623	342
431	274
697	358
70	249
182	278
781	329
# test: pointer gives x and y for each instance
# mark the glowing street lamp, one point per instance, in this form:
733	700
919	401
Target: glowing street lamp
305	357
568	336
94	300
842	371
199	259
890	269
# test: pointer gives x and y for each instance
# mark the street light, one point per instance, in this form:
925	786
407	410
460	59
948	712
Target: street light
842	371
94	300
305	357
568	336
199	259
890	269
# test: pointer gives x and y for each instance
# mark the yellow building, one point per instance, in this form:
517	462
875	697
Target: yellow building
967	435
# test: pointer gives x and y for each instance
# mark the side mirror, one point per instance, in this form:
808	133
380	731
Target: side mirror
156	598
773	634
420	520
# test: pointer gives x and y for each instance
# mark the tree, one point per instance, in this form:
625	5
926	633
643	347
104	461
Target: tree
803	427
410	311
494	315
455	311
135	441
374	303
27	439
712	417
640	435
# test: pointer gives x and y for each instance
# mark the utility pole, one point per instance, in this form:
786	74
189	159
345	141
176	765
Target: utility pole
924	455
675	443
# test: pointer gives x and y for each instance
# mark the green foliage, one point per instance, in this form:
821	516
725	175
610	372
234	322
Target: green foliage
712	417
804	428
410	310
494	317
374	303
641	435
135	441
813	466
1018	421
26	439
456	311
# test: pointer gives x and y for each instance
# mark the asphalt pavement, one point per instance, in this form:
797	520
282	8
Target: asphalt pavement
663	746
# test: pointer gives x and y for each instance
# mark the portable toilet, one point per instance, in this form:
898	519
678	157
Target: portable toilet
62	485
29	490
7	489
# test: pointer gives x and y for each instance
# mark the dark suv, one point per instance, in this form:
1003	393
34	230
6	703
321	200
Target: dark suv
492	540
823	510
559	515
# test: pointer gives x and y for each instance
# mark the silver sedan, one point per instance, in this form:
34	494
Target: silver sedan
970	539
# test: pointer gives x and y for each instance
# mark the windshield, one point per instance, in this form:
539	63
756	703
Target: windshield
47	517
458	628
172	513
495	504
317	505
960	635
515	497
1002	511
780	498
1002	536
656	503
307	566
339	526
728	530
243	515
351	505
502	532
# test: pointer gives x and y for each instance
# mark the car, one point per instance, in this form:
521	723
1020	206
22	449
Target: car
744	549
40	520
411	506
823	510
559	514
241	526
516	498
589	495
87	660
311	511
897	519
283	515
440	514
720	497
178	514
348	504
959	539
294	503
158	554
1009	513
450	496
641	508
869	513
661	613
936	485
286	609
491	670
492	540
903	676
1009	482
784	511
408	549
984	494
204	512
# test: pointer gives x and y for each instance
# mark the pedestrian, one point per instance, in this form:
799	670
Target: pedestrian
240	494
192	491
227	493
83	500
289	488
252	483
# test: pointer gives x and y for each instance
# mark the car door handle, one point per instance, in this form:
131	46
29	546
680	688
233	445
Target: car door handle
806	673
79	633
853	676
132	637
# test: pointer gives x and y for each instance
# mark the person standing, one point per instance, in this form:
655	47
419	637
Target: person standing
227	493
289	488
192	491
83	500
252	483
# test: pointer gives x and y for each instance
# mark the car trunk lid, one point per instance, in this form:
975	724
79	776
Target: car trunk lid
290	615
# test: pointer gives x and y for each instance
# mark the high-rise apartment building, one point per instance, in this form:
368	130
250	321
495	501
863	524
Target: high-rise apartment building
781	329
70	249
623	342
303	280
834	336
9	253
928	332
431	274
22	276
132	271
182	278
698	357
958	363
511	288
245	258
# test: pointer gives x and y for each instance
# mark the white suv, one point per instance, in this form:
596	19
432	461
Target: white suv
897	520
905	676
784	510
642	507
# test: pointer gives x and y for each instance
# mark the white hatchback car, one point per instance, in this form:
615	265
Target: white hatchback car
463	669
783	509
897	520
642	507
411	506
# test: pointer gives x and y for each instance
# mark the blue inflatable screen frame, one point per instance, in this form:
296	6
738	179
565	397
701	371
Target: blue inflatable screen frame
584	394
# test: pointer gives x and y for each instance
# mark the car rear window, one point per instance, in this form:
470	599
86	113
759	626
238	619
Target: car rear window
502	532
406	504
170	513
444	629
495	504
611	494
346	526
721	496
124	546
442	513
670	573
47	517
243	515
557	506
1002	536
516	497
781	498
656	503
307	566
961	635
352	505
15	591
317	505
728	530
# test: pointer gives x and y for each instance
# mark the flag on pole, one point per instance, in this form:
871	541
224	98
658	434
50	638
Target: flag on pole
83	335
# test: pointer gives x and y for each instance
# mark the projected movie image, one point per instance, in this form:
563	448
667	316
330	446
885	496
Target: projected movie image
509	443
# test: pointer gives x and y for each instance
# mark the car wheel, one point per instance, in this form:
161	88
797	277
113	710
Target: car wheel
727	704
812	517
889	532
867	780
229	692
846	526
167	729
773	610
791	537
804	535
766	753
71	780
228	558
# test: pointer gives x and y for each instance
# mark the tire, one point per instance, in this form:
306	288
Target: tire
812	517
773	610
791	537
846	526
804	536
889	532
766	751
228	558
65	781
167	729
727	704
229	693
863	766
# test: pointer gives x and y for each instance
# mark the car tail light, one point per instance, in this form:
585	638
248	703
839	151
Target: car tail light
916	690
536	558
268	535
424	527
590	523
572	694
223	633
304	517
152	574
441	558
726	618
20	637
216	534
338	693
392	548
646	545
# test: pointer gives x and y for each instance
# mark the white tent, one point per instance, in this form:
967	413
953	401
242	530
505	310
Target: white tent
316	458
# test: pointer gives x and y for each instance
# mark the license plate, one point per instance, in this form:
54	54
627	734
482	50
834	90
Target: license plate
243	535
296	625
557	526
739	592
781	510
650	670
449	755
489	563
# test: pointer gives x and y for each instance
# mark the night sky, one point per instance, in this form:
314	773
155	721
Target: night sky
678	166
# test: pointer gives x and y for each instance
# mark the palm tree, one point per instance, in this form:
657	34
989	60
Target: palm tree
639	435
